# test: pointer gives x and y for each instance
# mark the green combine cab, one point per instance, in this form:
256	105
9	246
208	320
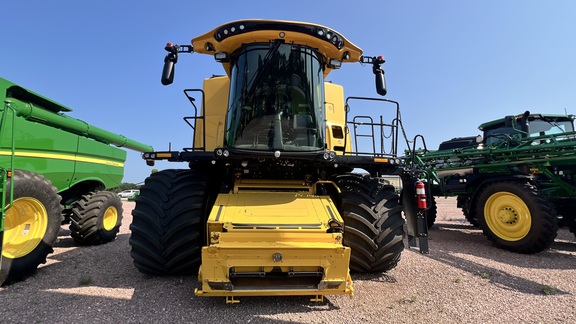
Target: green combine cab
517	182
53	169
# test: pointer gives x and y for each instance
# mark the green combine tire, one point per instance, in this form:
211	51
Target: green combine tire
31	225
515	216
96	218
168	223
373	223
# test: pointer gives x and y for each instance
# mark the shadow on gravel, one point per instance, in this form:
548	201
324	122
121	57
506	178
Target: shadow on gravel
375	277
462	226
465	247
495	276
117	292
564	246
253	308
100	280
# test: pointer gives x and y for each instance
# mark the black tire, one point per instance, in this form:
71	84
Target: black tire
468	210
431	212
515	216
96	218
568	212
373	223
168	225
571	224
31	225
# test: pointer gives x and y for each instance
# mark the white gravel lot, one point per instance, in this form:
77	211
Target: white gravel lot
463	279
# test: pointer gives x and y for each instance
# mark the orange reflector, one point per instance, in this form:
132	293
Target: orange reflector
163	155
380	160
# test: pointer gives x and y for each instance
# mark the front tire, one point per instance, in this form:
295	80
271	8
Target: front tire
169	222
31	225
515	216
96	218
373	223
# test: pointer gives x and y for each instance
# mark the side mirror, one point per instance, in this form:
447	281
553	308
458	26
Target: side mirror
169	61
168	70
381	83
379	75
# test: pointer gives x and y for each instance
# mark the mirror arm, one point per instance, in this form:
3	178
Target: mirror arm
378	72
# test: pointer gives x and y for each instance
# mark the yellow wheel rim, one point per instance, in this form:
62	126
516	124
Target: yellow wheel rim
25	225
110	218
507	216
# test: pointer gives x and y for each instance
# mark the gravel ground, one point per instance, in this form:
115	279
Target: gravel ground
463	279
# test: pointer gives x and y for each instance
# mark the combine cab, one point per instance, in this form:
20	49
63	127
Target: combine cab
270	204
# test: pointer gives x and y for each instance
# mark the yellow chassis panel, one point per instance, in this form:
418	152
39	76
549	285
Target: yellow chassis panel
262	257
269	242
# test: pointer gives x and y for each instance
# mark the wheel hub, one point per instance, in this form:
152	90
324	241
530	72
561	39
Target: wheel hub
110	218
508	215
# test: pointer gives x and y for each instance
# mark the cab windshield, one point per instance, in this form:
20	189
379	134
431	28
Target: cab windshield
276	98
537	127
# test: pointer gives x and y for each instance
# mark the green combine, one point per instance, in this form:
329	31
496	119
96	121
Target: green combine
53	169
517	182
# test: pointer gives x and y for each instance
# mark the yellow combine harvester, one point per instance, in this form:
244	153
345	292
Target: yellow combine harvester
270	204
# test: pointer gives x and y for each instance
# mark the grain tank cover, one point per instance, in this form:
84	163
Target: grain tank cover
25	95
34	107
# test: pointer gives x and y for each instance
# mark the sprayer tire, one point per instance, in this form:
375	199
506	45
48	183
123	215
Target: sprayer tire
571	224
31	225
373	223
431	213
469	211
568	218
568	212
96	218
515	216
470	217
168	223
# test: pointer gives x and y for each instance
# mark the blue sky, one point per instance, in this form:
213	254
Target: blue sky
451	64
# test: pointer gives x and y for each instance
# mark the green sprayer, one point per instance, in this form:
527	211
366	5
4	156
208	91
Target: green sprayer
517	182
